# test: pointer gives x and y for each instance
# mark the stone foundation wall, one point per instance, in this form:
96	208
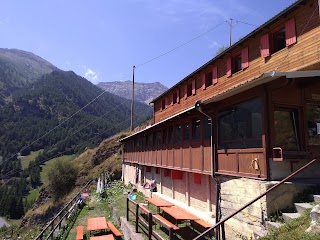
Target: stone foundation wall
235	192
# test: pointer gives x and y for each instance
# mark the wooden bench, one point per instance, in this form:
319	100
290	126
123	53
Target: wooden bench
161	220
79	233
203	223
114	230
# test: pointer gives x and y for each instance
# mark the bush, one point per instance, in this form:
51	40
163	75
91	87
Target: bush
62	177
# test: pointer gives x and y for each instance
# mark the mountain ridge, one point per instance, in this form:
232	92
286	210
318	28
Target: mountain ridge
143	92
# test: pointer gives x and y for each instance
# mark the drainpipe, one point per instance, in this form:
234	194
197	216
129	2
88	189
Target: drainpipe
213	175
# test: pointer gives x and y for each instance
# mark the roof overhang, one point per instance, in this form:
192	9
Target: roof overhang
262	79
241	41
158	123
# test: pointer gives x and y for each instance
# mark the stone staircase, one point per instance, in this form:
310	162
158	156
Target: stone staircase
299	209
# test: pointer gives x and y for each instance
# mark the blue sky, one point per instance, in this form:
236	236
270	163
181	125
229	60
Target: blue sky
102	39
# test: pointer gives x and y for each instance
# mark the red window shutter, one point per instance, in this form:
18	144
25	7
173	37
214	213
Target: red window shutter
197	178
157	170
166	102
193	87
171	99
264	46
185	91
203	78
215	75
228	73
245	58
178	95
290	28
161	105
175	174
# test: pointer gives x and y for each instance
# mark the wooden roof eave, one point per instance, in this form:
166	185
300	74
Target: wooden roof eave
262	79
241	41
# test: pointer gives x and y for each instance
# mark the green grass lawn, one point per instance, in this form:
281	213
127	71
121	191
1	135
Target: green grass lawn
34	193
25	160
294	230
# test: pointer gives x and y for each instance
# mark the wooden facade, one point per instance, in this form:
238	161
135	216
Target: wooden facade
247	125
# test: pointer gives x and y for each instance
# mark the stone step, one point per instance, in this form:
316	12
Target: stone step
316	198
258	233
301	207
290	216
272	225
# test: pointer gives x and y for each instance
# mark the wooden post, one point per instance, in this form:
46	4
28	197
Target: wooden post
137	218
127	209
223	232
150	222
171	233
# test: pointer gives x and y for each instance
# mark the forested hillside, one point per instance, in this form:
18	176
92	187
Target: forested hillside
36	118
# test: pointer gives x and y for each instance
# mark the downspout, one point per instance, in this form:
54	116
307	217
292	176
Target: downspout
198	106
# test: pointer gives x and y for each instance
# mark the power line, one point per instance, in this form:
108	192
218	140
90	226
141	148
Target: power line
15	171
67	119
163	54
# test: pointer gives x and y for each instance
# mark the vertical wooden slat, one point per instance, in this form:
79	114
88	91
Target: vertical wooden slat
245	58
228	73
214	75
264	46
290	28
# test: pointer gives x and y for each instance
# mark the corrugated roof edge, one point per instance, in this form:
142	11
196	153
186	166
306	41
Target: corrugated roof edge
184	111
270	21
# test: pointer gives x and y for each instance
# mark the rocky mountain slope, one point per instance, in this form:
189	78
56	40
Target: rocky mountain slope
144	92
18	69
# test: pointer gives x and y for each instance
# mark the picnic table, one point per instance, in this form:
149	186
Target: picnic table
159	202
96	224
178	214
103	237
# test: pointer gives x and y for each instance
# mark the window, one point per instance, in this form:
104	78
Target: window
286	36
279	40
163	104
164	137
240	126
237	63
196	129
313	117
150	140
286	129
208	79
186	132
177	134
207	128
158	138
170	135
189	90
174	98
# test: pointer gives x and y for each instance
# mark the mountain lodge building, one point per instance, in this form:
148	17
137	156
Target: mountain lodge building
229	130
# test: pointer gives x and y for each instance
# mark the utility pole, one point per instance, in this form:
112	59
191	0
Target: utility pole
230	37
132	104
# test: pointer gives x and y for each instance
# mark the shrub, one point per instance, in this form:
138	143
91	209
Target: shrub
62	177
